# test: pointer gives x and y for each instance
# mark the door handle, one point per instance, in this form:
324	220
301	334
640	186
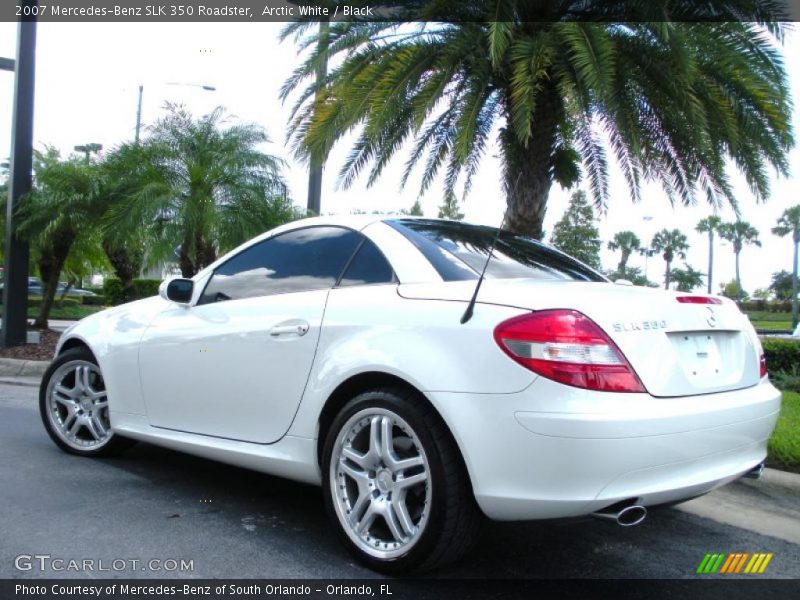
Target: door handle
296	327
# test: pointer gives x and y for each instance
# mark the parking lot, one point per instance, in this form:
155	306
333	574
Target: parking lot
157	505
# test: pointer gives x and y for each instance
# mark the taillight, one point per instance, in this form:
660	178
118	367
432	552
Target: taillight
568	347
762	365
698	300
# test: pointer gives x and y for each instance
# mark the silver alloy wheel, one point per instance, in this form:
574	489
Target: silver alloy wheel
77	405
380	483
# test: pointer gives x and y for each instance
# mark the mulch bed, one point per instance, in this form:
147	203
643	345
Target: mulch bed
41	351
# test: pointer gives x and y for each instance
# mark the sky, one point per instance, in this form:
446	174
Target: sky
87	81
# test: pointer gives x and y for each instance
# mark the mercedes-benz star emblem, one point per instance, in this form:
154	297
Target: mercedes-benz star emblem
711	319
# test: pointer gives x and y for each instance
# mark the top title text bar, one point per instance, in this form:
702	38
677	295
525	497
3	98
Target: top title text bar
400	11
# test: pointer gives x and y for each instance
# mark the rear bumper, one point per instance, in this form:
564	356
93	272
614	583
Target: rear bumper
556	451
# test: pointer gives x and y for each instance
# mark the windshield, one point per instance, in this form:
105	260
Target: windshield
458	252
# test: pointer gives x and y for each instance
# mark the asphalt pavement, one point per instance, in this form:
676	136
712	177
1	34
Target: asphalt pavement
155	504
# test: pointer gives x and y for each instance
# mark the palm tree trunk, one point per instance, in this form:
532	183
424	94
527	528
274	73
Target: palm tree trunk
796	238
738	279
667	274
50	266
528	176
710	258
185	262
623	262
124	266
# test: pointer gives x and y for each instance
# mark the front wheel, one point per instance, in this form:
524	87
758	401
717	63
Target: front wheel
74	406
396	487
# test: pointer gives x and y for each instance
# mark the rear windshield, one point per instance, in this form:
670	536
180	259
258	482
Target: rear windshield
458	251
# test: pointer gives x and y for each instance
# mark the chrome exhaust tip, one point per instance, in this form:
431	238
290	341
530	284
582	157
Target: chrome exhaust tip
625	517
756	472
632	515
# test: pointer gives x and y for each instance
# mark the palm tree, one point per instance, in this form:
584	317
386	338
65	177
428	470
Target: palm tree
449	209
671	244
201	185
676	100
59	213
627	243
709	225
738	234
789	223
687	279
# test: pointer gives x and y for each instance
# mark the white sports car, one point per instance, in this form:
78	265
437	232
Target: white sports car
347	352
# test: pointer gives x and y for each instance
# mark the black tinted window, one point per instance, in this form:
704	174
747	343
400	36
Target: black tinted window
368	266
303	259
459	251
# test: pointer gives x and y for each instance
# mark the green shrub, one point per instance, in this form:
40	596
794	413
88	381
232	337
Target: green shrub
788	381
146	287
98	300
781	354
114	292
776	306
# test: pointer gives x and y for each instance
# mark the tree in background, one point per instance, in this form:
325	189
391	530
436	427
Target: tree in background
450	209
634	275
60	212
576	232
781	285
733	291
202	186
739	233
414	211
677	101
686	279
789	224
627	243
710	225
671	244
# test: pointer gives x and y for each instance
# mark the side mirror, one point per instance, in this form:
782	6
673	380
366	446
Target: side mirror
177	290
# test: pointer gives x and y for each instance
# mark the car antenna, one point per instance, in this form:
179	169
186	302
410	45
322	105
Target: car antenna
471	306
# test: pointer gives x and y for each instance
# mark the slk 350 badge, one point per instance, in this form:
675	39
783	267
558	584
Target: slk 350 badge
639	326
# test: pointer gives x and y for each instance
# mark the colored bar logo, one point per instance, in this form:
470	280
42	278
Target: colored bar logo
734	562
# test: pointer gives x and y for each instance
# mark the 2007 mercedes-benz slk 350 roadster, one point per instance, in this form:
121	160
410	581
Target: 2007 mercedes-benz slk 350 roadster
347	352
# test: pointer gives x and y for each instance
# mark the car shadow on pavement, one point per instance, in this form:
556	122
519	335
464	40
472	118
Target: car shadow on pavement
290	517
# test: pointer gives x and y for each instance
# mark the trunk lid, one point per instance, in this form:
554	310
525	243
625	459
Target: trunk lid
676	349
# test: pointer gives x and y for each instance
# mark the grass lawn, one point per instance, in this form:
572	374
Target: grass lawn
782	325
784	446
762	319
69	312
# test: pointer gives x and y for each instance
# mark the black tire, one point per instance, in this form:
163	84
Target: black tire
453	517
112	444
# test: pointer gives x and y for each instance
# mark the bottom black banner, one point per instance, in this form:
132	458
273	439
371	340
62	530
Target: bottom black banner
392	589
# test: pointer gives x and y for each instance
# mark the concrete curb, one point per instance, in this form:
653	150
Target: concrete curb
14	367
767	506
24	381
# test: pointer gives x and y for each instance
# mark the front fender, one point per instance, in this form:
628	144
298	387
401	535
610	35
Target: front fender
113	336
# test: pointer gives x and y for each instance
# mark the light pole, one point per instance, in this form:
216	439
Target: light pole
15	291
207	88
647	251
89	149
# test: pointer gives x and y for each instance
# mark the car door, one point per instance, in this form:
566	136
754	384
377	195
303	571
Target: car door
235	364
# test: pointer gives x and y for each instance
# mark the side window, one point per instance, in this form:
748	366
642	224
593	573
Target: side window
368	266
304	259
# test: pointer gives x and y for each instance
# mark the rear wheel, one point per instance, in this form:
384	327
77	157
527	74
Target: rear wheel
74	406
395	485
